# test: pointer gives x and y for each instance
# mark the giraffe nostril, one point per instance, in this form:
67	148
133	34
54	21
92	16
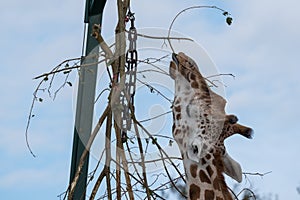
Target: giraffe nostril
195	149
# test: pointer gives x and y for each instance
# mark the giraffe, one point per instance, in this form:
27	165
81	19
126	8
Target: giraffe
200	126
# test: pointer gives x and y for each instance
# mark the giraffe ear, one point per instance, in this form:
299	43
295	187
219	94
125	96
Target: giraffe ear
232	168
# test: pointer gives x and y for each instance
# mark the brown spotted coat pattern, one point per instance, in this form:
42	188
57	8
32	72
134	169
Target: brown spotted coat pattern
200	128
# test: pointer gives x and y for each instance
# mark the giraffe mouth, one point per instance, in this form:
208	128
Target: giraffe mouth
173	66
174	58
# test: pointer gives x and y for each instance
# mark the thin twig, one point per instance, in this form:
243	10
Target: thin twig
147	60
156	90
256	173
62	86
148	192
152	70
155	160
158	146
164	185
68	68
232	192
248	190
106	89
31	116
122	158
161	151
186	9
163	38
155	117
60	64
169	176
216	75
133	177
106	169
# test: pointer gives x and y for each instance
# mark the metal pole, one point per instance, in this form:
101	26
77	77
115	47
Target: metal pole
85	98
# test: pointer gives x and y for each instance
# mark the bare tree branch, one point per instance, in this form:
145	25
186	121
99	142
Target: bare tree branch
106	170
163	38
85	153
68	69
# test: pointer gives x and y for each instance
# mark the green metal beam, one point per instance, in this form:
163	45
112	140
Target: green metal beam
85	98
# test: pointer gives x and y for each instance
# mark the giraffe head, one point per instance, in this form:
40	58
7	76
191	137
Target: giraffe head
200	128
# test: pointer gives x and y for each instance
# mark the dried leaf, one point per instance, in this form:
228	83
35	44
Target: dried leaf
66	72
154	140
229	20
151	89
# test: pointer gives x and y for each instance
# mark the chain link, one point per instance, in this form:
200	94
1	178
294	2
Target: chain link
130	79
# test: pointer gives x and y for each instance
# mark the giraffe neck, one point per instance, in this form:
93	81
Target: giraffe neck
192	125
205	179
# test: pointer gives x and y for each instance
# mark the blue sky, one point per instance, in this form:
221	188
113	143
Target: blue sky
261	48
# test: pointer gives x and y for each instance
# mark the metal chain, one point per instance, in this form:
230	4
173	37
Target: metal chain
130	77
